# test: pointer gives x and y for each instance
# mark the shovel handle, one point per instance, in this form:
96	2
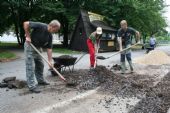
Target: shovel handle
47	61
95	63
80	58
122	50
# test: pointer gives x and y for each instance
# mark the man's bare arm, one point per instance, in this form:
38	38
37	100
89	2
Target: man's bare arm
49	54
120	43
27	31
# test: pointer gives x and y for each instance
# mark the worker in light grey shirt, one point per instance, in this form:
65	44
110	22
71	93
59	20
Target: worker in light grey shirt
40	37
152	42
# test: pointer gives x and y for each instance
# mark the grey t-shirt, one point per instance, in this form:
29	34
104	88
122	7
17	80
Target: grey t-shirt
126	35
40	36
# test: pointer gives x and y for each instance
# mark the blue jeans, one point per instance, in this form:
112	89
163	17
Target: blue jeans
153	46
34	66
128	57
126	53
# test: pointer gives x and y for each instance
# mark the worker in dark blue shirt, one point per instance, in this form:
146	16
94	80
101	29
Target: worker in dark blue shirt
124	38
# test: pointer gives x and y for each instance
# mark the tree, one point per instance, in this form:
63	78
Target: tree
18	11
144	15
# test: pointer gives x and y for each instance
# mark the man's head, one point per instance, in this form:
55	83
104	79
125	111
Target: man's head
54	26
123	24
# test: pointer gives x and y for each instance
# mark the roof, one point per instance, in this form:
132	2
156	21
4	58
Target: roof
99	23
90	26
86	22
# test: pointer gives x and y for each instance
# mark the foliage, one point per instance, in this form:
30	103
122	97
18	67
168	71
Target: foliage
144	15
65	51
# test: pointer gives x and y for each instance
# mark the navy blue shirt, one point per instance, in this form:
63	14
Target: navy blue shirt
40	37
126	35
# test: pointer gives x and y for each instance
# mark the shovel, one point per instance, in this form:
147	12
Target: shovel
103	58
95	63
47	62
80	57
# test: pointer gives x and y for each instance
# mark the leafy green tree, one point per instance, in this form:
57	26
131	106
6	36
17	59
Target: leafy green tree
15	12
144	15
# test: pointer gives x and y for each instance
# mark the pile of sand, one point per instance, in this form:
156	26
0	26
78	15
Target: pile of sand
155	57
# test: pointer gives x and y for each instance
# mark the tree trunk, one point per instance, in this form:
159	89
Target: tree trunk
65	31
22	34
15	24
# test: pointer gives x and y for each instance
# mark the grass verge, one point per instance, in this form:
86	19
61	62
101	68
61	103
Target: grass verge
65	51
6	55
3	44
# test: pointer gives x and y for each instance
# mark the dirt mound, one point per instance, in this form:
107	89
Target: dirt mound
116	67
110	82
155	57
157	99
86	81
65	57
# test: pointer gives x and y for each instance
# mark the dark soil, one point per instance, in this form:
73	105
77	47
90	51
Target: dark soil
154	99
157	98
116	67
65	57
117	84
85	80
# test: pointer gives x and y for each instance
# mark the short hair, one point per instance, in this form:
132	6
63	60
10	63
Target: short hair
123	22
55	23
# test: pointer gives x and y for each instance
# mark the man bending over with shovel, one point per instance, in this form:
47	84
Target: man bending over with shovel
124	38
93	45
40	37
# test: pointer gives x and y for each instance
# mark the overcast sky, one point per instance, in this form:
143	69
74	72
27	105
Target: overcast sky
167	14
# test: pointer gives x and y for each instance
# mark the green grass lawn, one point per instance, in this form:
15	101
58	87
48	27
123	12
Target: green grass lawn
6	55
64	51
8	44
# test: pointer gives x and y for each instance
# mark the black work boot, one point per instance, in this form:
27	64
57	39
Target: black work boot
35	90
131	66
43	83
123	67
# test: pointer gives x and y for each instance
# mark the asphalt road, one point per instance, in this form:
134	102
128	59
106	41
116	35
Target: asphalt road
59	99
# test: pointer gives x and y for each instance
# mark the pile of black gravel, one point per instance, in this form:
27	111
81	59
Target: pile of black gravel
117	84
157	99
86	81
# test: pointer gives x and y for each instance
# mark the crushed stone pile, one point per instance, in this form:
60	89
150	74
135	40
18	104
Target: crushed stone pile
110	82
155	57
157	100
154	99
85	81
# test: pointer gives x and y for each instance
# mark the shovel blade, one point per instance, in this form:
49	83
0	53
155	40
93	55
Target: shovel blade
101	57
